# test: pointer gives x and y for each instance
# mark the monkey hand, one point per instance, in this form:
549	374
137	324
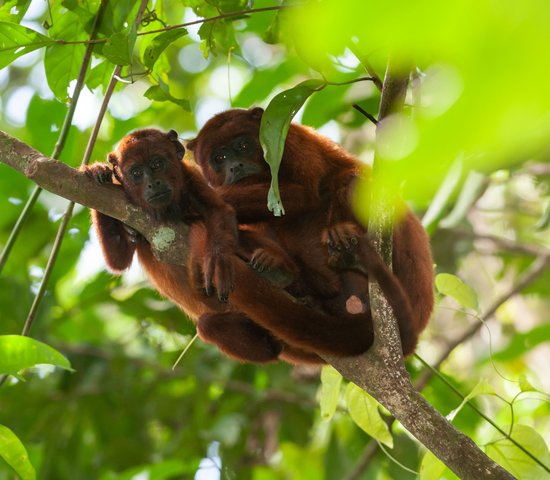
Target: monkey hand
133	235
219	274
341	240
273	266
102	173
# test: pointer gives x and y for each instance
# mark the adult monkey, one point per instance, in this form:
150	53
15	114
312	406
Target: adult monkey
251	320
315	179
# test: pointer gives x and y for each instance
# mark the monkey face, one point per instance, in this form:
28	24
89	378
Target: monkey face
148	164
236	160
149	177
228	149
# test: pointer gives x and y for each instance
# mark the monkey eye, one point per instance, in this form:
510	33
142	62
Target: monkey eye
219	158
156	163
136	172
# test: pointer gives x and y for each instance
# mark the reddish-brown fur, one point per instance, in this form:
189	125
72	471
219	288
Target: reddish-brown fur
260	322
315	180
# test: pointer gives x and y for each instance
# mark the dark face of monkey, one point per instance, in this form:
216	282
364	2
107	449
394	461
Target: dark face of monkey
227	148
148	164
236	160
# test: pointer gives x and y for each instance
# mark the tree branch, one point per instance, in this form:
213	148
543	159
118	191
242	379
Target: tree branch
168	239
380	371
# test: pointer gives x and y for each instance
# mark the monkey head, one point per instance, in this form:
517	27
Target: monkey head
228	149
147	163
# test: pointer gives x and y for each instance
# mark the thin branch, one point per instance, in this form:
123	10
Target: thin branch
349	82
224	16
52	259
365	113
60	144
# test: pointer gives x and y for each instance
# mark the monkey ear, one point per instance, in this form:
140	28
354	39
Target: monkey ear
173	137
256	112
191	144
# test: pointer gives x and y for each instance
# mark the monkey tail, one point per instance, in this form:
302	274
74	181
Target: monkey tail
296	324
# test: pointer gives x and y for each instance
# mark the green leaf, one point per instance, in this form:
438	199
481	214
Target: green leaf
517	462
63	62
159	44
482	388
274	129
14	10
363	410
453	286
432	468
160	93
18	353
331	381
120	46
15	454
16	41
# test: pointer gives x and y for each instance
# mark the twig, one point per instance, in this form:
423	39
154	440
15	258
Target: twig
365	113
60	144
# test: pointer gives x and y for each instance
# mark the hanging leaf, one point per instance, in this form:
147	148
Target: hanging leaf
160	93
16	41
331	381
18	353
159	44
453	286
274	129
15	455
363	410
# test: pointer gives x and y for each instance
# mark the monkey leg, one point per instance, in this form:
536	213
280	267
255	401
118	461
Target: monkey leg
238	337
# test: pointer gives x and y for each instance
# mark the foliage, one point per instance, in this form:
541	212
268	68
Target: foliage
471	150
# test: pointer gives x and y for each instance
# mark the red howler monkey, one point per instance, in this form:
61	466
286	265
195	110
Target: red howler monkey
315	179
260	322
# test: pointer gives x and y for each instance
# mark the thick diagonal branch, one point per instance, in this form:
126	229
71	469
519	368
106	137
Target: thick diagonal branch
168	239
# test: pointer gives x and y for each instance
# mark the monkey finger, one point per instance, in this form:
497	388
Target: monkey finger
208	272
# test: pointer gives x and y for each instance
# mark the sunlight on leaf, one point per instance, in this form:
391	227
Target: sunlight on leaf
517	462
363	409
18	353
432	468
15	455
16	41
453	286
331	382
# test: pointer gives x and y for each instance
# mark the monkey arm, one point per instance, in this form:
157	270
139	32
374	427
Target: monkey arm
250	201
117	248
